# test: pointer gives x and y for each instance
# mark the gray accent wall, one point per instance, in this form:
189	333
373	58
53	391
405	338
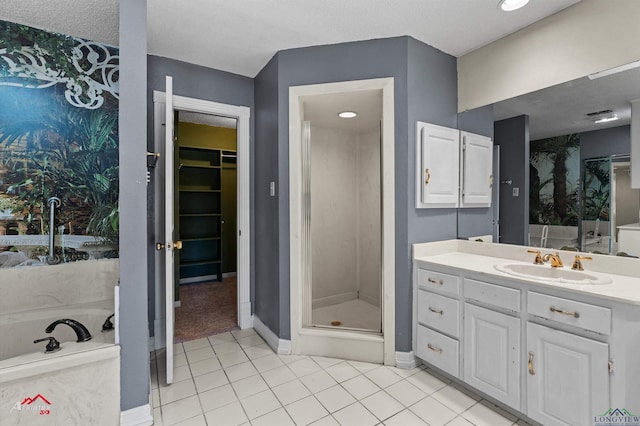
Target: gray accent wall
605	142
425	89
512	135
476	221
197	82
133	319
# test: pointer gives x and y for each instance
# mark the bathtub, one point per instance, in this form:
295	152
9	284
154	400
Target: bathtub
80	384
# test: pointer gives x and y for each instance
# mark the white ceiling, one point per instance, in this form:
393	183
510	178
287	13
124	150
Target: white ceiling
240	36
322	110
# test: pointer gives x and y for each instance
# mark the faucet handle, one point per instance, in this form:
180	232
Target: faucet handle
52	346
577	264
538	260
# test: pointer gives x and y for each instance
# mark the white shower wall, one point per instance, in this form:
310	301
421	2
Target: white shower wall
345	215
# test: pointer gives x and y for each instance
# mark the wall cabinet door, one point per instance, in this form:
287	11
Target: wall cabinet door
437	176
492	353
567	379
476	172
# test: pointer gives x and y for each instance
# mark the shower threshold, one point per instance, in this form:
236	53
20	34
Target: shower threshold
342	328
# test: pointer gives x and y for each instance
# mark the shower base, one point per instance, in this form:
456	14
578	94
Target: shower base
354	313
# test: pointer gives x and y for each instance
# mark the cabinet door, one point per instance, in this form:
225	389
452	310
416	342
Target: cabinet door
476	176
437	165
567	379
492	353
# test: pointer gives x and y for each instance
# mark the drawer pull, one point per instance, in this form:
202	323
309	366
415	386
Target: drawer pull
436	311
568	313
431	280
434	348
530	364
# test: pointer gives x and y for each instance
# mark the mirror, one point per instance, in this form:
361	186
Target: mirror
580	135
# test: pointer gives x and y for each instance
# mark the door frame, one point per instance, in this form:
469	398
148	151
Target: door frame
242	115
346	344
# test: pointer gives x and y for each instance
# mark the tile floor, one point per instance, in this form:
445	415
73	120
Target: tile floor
234	378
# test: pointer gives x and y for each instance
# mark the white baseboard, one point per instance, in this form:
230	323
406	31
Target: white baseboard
279	346
245	319
139	416
406	360
333	300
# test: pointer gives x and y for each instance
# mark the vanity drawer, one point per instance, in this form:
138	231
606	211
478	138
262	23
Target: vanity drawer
439	350
583	315
491	294
437	281
438	312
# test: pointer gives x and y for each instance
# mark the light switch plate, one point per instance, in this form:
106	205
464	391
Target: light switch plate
272	189
516	192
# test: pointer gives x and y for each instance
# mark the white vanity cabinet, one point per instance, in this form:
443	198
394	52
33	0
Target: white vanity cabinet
453	168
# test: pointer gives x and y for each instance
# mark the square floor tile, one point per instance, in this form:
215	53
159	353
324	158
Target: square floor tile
360	387
239	334
179	359
268	362
178	411
249	341
405	418
193	421
196	344
278	376
227	347
383	376
217	397
363	367
249	386
221	338
459	421
240	371
481	415
228	415
342	371
406	393
155	398
382	405
177	348
453	399
200	354
355	414
334	398
426	382
290	392
289	359
210	380
259	351
318	381
208	365
260	404
176	391
325	362
157	417
406	372
326	421
304	367
306	411
181	373
432	412
274	418
232	358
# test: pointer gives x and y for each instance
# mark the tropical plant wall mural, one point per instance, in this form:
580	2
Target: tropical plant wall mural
58	147
555	180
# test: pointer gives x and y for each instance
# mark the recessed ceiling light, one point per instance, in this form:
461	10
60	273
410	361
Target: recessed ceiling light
347	114
510	5
612	117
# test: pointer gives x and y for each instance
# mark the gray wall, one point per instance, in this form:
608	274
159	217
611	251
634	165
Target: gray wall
425	89
134	335
513	137
605	142
476	221
200	83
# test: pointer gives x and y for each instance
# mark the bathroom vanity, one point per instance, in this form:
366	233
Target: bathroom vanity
558	346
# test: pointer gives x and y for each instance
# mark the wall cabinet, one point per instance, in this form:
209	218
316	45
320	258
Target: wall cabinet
453	168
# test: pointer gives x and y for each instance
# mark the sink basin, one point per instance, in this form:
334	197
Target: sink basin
549	274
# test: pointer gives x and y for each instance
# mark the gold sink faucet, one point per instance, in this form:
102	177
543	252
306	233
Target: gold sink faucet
577	265
538	260
554	258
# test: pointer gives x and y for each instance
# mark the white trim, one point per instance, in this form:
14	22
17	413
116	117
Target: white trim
333	300
279	346
388	213
242	114
139	416
406	360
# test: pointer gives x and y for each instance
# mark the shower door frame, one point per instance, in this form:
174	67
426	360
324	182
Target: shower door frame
331	342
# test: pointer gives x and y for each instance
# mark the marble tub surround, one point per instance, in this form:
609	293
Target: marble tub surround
482	258
53	286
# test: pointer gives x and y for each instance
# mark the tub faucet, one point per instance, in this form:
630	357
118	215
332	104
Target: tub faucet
81	331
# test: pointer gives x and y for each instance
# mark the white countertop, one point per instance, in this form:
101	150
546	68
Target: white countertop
481	258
